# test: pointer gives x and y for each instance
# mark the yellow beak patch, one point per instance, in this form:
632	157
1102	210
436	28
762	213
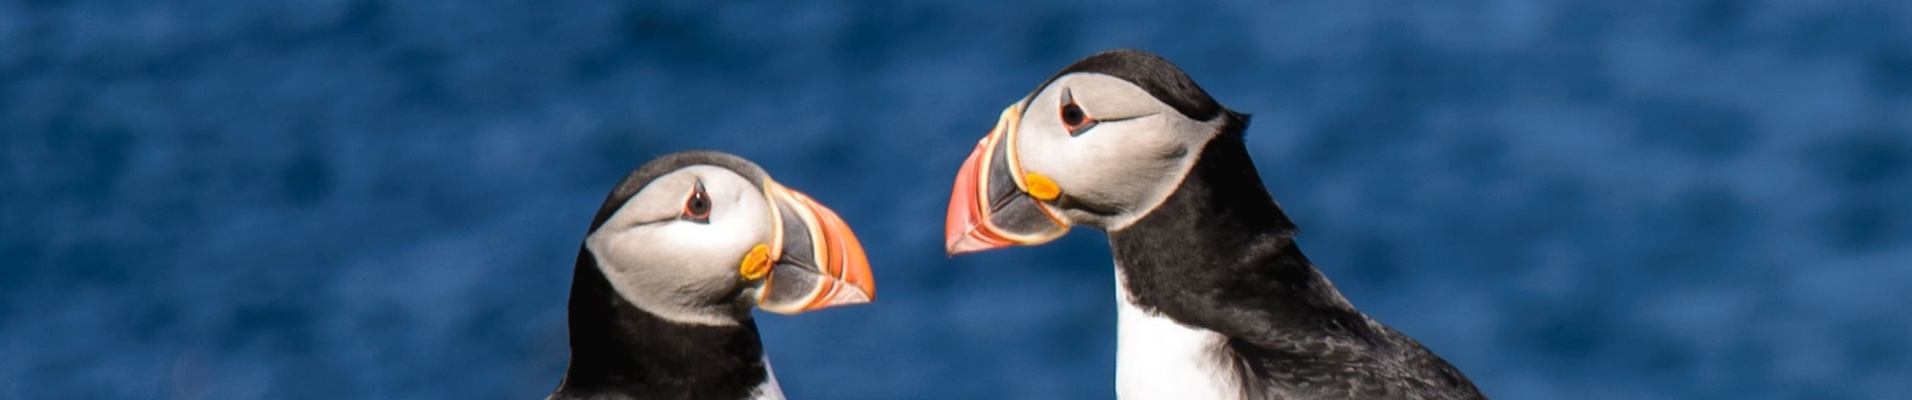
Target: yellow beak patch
756	263
1041	187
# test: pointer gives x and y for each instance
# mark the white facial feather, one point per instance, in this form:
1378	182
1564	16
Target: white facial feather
683	270
1132	160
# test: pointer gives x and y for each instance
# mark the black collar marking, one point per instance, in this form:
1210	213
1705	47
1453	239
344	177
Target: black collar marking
1154	74
1219	254
621	351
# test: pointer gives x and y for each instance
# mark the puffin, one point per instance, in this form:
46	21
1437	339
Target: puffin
1215	299
674	261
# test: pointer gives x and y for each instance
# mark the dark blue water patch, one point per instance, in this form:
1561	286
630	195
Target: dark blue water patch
1083	255
279	327
1068	345
1478	157
1560	70
500	325
21	265
365	22
1713	214
1052	36
1742	358
434	207
34	41
1375	261
43	4
1573	334
180	63
1841	390
420	72
1346	137
1718	15
153	322
307	179
361	26
604	158
381	318
1698	237
1874	345
1870	170
84	159
1414	75
1867	157
94	263
1889	71
1841	31
1717	24
685	41
1661	355
835	156
1583	24
1863	223
597	64
1553	207
644	34
871	44
1694	128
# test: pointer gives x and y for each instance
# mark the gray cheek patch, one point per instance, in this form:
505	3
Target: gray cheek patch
794	282
1002	185
795	274
1022	215
796	234
799	276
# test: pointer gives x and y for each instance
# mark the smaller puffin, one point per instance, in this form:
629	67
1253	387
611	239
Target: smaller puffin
1215	300
675	259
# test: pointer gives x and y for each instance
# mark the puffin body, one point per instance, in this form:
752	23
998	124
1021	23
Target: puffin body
678	255
1215	300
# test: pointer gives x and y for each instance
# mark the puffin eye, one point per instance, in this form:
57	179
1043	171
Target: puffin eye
697	208
1073	118
1072	115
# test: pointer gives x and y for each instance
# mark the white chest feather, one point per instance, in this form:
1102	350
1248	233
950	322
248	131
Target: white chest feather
769	389
1157	358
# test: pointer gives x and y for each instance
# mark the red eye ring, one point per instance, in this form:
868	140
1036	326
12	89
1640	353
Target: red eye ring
697	207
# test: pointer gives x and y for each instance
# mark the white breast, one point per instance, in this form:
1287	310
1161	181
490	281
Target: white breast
1157	358
769	389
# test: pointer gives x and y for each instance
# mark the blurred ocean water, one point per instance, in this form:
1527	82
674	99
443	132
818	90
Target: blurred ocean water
359	199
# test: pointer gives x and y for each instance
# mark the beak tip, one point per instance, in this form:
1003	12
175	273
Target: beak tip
949	246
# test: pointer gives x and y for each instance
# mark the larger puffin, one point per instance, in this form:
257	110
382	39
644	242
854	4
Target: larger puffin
677	256
1215	299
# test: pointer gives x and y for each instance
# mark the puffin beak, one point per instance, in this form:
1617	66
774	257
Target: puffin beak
816	262
990	206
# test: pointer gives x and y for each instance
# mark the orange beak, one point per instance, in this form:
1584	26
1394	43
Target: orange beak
990	206
818	262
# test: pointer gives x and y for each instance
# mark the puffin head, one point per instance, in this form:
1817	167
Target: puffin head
1101	143
702	237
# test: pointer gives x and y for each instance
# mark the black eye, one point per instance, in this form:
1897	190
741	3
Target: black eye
697	208
1072	115
1073	118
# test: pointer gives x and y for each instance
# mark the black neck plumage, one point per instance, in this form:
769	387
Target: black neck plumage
1219	253
621	351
